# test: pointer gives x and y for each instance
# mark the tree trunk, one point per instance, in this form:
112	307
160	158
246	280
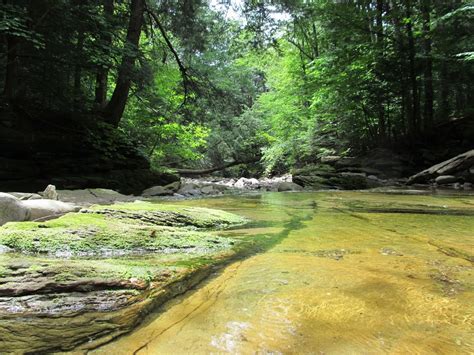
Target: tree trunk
444	91
192	172
428	67
114	110
415	100
11	76
379	72
78	71
103	72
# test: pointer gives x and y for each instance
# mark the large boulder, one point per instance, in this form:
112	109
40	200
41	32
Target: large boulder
189	189
458	166
12	209
47	208
166	190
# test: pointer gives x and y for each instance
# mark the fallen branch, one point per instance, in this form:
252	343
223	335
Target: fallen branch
197	172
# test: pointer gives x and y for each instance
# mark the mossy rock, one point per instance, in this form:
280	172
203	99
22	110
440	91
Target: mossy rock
128	228
93	275
349	182
315	169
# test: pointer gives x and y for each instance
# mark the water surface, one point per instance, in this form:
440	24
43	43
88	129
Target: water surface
339	272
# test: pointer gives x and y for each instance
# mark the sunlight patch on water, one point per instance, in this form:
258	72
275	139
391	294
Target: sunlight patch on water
344	277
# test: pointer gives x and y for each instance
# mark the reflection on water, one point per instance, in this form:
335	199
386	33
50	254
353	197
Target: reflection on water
344	272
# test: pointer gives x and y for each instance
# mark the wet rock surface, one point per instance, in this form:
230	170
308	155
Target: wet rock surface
96	273
213	186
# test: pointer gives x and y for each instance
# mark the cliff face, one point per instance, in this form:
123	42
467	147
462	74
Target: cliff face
71	151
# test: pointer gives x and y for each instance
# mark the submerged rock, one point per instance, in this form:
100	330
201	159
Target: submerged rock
289	186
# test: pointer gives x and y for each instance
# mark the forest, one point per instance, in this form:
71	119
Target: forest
236	176
199	84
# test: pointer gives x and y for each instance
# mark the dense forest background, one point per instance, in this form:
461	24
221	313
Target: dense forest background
199	84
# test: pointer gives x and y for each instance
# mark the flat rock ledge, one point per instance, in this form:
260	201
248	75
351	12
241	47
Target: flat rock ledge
84	278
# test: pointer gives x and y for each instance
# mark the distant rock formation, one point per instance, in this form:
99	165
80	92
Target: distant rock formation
71	151
459	169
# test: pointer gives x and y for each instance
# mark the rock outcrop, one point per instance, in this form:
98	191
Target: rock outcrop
378	168
70	151
99	294
458	169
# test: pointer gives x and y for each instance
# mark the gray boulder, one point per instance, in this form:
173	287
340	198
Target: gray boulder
50	193
88	197
446	179
12	209
174	186
166	190
156	191
241	183
208	190
47	208
288	186
189	189
454	166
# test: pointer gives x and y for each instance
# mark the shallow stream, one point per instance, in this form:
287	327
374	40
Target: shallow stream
331	272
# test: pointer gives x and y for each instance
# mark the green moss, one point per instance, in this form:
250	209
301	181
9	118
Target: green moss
122	229
199	216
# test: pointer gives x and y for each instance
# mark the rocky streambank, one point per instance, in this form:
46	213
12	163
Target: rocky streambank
384	168
195	187
380	168
88	276
457	172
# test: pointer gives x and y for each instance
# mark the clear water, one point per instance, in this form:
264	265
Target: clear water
341	272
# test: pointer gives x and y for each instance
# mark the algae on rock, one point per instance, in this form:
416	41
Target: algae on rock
102	269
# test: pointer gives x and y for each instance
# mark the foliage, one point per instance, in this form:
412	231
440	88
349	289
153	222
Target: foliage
288	81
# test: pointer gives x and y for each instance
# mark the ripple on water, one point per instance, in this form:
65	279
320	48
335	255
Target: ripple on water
337	283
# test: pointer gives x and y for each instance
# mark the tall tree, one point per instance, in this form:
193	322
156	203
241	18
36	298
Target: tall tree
103	71
428	66
114	110
415	99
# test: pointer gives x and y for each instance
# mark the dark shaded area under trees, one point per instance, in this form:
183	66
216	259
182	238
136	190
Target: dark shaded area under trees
104	93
